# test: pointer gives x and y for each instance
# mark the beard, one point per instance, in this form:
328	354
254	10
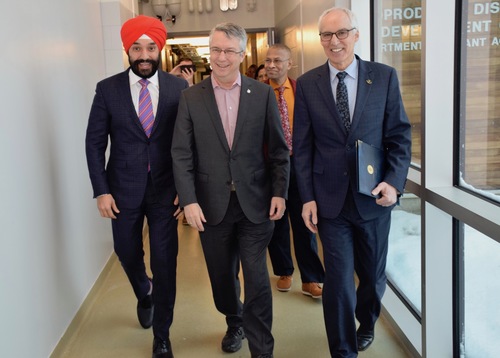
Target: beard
142	72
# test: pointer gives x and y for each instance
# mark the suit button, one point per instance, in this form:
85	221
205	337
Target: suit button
345	173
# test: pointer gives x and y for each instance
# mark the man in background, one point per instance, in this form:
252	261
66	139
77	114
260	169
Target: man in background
345	100
277	64
136	110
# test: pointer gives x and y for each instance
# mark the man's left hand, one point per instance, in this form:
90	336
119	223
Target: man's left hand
388	194
278	207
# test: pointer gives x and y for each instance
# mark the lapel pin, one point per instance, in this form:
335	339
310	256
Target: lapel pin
248	91
369	81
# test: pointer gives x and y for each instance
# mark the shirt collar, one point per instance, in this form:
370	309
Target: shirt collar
351	70
134	79
215	84
275	85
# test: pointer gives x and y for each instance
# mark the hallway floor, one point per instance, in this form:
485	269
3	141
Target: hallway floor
109	328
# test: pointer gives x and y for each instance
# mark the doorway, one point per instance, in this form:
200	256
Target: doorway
196	48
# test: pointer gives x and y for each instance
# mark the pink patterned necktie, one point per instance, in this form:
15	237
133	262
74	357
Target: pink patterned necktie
285	120
145	108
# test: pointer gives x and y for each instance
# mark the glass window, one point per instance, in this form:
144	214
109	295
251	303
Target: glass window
404	260
397	42
481	316
480	98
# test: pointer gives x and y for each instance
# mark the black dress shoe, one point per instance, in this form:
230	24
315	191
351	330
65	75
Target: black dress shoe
263	356
145	311
162	349
365	339
232	340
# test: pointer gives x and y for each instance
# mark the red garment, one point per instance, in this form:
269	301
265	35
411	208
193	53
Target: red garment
134	28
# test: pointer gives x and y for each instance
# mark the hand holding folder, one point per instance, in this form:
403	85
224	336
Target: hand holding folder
370	167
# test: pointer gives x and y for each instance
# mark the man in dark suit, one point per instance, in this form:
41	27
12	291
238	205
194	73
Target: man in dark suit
231	167
139	117
278	62
354	228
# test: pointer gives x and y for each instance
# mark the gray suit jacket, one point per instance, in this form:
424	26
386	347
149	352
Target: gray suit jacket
204	166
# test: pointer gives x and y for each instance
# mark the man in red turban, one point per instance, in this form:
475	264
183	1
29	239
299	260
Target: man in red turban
141	25
148	31
135	111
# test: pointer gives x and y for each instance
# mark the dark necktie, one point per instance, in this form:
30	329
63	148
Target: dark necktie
145	108
343	101
285	120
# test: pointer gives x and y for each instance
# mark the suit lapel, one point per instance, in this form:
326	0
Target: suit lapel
213	111
123	91
325	88
365	80
243	107
162	98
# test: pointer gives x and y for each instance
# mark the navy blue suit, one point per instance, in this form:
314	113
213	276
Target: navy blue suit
353	227
138	191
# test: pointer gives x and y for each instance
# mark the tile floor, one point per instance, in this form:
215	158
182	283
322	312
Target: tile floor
109	327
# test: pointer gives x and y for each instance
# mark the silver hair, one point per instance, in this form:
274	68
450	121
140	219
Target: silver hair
352	18
232	31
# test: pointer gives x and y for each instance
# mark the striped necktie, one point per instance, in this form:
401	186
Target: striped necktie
343	101
145	108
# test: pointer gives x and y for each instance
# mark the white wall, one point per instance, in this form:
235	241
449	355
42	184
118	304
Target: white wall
261	18
53	242
297	27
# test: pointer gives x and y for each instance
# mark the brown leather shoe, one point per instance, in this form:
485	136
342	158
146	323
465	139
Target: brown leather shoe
284	283
312	289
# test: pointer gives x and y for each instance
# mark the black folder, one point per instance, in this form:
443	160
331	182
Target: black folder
370	167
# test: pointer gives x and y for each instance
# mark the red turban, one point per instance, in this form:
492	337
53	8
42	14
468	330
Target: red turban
134	28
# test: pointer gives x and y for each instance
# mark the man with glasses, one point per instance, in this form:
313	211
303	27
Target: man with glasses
277	64
231	169
345	100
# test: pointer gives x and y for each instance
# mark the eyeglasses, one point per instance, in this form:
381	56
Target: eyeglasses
341	34
268	61
215	51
